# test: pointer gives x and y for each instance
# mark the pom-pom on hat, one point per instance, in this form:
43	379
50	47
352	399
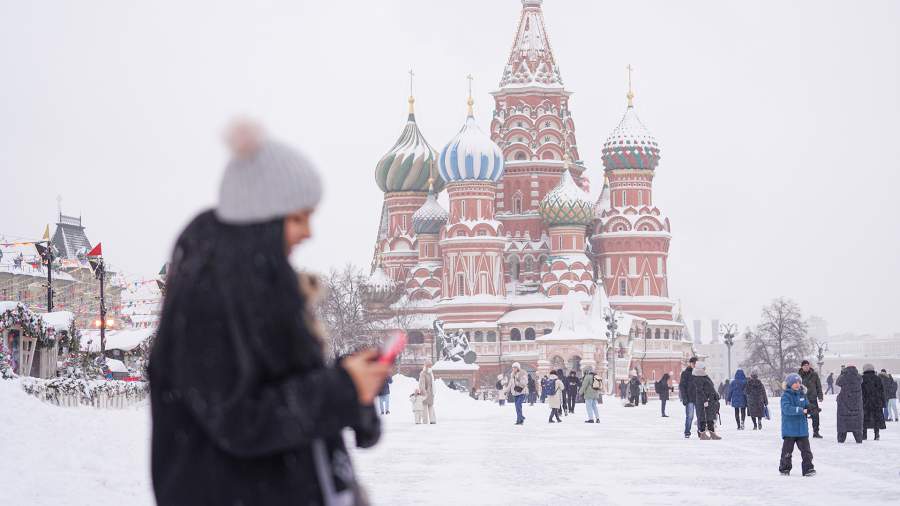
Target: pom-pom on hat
265	179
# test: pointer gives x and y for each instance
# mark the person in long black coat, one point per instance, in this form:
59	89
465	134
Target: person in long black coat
757	400
849	405
634	391
662	391
873	401
707	401
245	409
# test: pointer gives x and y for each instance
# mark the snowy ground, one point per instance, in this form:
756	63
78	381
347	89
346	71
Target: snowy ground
474	455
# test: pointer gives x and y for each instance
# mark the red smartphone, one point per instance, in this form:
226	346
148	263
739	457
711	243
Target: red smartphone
392	348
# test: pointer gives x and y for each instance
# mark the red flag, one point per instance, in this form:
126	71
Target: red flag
97	251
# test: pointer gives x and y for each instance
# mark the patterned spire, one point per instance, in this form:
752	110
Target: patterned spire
531	61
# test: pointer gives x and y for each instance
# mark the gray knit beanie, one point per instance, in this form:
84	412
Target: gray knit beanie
868	367
264	180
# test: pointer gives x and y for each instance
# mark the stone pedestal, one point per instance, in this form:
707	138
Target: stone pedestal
460	373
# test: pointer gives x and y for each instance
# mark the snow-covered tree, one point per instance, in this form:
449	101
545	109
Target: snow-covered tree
778	343
342	311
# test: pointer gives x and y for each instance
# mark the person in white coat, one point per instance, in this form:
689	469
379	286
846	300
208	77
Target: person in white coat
518	389
426	386
554	400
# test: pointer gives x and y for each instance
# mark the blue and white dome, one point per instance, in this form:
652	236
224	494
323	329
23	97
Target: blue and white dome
429	218
471	155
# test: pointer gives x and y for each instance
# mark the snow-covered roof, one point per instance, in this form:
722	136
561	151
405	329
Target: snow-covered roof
59	321
124	339
571	323
530	315
667	323
116	365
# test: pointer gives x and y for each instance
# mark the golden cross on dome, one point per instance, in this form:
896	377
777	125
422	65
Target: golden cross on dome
630	94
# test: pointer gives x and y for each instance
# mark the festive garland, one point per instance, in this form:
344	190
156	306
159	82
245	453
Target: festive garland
32	325
86	391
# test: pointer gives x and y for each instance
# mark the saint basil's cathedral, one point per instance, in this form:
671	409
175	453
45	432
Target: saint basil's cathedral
523	262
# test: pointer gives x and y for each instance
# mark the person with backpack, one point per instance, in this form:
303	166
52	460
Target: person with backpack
794	428
555	389
662	391
707	401
757	400
737	397
591	386
685	394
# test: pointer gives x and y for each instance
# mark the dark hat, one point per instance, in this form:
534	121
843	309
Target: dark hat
805	362
693	360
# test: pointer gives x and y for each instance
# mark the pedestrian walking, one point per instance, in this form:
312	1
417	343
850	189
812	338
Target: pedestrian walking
757	400
384	397
890	395
643	392
544	381
737	397
814	394
501	385
532	390
426	385
554	397
830	382
849	404
560	375
239	384
707	402
686	396
794	428
623	389
873	402
662	391
518	388
591	386
573	385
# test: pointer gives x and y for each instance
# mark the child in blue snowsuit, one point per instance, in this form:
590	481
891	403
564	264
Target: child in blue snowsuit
794	429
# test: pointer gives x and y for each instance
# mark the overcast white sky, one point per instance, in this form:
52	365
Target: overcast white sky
778	123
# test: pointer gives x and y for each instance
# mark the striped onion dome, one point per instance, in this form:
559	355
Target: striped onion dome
408	165
567	204
429	218
471	155
630	145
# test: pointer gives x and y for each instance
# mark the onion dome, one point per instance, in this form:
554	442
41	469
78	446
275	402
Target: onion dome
429	218
408	165
630	145
379	288
567	204
471	155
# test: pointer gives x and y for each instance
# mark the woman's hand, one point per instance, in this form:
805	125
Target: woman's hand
367	373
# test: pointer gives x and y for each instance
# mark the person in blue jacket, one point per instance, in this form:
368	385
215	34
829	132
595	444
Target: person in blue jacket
737	397
794	429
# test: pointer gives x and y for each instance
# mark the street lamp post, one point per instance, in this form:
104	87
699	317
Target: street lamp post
728	331
611	334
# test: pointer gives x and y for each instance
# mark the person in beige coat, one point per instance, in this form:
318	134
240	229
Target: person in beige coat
554	400
426	386
518	389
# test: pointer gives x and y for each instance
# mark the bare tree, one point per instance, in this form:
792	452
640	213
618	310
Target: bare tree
778	343
342	310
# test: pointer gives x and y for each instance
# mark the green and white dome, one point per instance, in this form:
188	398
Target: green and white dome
567	204
409	164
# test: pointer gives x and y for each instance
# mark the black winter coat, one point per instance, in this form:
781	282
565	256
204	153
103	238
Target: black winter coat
685	392
757	400
662	387
890	386
814	392
705	391
245	410
849	401
634	388
873	401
